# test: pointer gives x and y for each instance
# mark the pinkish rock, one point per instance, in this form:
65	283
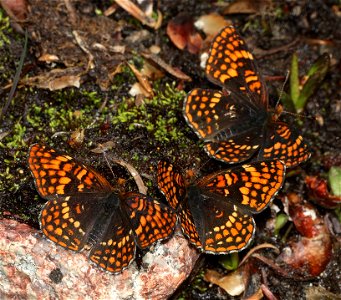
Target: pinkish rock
32	267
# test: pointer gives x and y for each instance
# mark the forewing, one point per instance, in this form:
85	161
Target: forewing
150	219
56	173
214	225
117	247
250	187
231	65
68	220
215	115
284	143
170	183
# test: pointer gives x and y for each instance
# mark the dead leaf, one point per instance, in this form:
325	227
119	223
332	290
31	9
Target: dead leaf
310	253
182	33
211	24
247	7
232	283
140	15
77	138
17	9
171	70
143	81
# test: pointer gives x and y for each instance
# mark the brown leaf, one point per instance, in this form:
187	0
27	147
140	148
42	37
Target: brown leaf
16	9
182	33
309	254
233	283
247	7
211	24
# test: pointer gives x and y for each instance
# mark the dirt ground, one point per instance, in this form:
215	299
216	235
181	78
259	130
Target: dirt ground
93	54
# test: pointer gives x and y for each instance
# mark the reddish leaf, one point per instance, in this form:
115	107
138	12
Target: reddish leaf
319	192
310	253
182	33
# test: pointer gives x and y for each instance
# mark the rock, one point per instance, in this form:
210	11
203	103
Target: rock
33	267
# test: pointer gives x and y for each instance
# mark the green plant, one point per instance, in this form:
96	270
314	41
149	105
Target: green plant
302	90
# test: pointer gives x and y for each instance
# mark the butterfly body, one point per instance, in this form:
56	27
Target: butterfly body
236	123
216	211
84	212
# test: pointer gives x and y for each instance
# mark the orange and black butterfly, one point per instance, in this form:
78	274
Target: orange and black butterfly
83	211
216	211
235	123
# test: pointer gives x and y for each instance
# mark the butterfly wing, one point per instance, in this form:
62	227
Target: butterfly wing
75	193
117	247
150	219
231	65
250	186
56	173
214	225
231	127
171	183
284	143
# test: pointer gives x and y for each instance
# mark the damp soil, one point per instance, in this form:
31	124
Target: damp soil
314	26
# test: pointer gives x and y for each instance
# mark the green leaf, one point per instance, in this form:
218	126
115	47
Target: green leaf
334	177
281	220
294	79
287	102
230	261
315	76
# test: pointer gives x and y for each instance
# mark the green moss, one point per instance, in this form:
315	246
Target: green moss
5	28
159	115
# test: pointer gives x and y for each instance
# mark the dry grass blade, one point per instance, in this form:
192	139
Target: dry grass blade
253	250
142	80
137	177
137	13
156	59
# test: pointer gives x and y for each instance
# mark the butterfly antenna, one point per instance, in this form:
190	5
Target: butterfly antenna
280	97
107	161
282	89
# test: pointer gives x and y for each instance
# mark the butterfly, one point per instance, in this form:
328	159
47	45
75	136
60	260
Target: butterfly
215	212
236	122
84	212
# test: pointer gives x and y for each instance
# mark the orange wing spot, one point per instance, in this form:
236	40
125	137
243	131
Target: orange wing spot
230	46
244	190
224	77
232	72
233	57
58	231
67	167
64	180
251	78
45	154
81	174
62	158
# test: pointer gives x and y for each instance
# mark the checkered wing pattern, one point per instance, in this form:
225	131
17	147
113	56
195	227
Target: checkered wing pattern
150	219
82	211
55	173
231	65
216	212
284	143
250	186
116	249
232	128
235	123
171	184
67	218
